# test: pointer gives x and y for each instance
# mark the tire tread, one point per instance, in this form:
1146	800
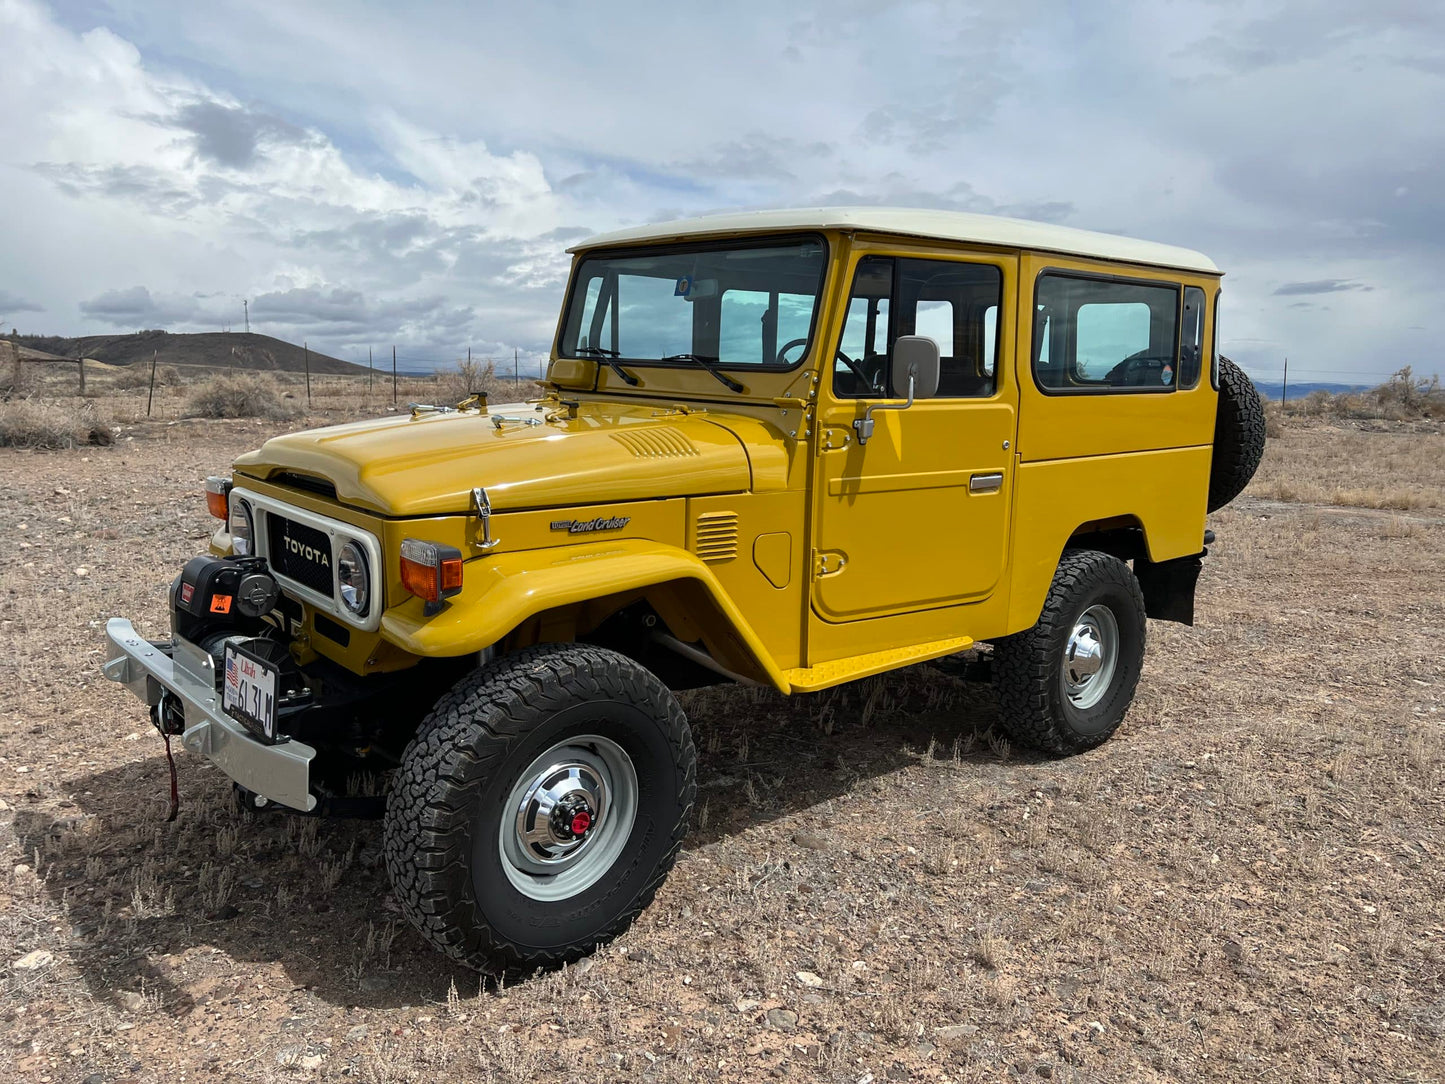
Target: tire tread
443	773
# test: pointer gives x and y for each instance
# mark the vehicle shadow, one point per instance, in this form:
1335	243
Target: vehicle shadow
312	895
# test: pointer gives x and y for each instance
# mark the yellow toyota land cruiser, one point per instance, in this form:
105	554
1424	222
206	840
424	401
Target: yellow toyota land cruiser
788	448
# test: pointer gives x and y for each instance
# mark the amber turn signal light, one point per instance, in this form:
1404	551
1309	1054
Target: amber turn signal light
431	570
218	493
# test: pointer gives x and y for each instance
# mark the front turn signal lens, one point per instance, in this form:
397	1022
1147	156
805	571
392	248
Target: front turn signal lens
218	493
431	570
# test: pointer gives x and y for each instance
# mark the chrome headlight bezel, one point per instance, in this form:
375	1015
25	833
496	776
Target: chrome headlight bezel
353	577
241	525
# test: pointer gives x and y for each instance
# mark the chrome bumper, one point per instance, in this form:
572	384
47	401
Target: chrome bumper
279	772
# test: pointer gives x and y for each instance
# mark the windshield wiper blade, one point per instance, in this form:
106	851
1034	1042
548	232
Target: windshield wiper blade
606	356
706	361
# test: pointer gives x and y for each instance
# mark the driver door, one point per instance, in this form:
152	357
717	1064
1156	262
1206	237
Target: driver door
917	518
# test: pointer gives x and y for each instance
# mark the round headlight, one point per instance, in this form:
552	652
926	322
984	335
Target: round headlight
352	578
238	522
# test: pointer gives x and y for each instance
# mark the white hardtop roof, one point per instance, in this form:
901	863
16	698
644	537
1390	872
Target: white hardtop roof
912	222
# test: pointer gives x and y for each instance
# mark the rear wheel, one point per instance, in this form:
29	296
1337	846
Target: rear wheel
1065	684
539	807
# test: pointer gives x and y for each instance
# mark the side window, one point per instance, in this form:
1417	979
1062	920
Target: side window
955	304
755	325
862	368
935	319
990	338
1191	338
1107	332
1100	335
742	328
653	320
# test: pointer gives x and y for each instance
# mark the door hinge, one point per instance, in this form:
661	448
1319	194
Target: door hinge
827	563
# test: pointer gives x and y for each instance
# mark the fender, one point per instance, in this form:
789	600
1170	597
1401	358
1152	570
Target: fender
500	592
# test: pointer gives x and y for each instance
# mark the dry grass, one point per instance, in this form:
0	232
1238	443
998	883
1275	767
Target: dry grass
1404	397
1244	884
239	395
45	424
1391	468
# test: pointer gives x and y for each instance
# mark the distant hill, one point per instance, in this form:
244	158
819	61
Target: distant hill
1271	389
216	349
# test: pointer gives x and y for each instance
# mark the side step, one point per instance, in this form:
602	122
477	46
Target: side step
809	679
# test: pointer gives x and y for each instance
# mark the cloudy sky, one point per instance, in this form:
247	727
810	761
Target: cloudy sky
370	174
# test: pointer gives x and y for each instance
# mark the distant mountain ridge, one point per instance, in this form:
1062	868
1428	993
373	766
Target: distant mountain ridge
1272	389
214	349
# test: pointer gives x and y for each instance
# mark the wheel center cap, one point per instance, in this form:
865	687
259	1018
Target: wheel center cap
572	818
1086	656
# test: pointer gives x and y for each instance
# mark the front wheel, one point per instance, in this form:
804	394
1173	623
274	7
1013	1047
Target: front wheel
539	807
1065	684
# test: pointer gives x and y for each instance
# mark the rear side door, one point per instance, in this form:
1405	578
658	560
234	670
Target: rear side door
917	517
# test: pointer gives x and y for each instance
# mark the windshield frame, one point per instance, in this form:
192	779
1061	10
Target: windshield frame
575	296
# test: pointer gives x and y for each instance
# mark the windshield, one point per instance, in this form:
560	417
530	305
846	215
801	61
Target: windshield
733	305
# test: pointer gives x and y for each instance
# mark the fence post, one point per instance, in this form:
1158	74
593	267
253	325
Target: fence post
306	356
370	368
393	376
80	363
516	372
150	395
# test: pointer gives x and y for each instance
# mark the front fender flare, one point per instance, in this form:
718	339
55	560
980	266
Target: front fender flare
500	592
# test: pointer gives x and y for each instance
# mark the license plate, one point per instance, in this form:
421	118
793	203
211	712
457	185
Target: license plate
248	692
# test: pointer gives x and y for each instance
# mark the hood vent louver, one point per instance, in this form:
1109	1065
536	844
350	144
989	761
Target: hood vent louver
663	442
717	536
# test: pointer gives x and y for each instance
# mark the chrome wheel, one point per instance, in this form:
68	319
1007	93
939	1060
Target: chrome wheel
568	817
1090	657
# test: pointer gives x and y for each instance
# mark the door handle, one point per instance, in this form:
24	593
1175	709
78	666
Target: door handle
985	483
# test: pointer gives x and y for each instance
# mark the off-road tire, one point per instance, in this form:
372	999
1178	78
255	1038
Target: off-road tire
1238	435
1034	707
443	812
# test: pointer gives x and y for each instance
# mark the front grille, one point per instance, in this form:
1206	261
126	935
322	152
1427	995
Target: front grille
300	553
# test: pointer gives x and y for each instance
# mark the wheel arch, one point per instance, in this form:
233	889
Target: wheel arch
514	599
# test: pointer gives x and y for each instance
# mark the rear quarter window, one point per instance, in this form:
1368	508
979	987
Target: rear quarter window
1099	336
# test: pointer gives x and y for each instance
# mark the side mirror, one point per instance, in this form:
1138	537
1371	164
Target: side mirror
916	364
915	356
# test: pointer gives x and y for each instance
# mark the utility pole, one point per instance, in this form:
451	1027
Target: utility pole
246	306
516	373
1284	390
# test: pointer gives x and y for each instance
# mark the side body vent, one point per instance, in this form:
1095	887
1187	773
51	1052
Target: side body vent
661	443
717	536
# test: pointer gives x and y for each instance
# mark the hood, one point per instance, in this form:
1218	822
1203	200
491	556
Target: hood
428	465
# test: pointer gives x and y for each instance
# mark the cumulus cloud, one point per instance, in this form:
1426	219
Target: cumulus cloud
164	164
10	303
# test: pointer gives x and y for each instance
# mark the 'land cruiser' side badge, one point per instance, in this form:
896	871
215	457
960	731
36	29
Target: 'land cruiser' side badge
587	526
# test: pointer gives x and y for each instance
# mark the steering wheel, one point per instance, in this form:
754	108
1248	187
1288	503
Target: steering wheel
857	369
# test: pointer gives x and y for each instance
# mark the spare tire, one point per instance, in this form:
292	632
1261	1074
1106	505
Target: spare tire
1238	435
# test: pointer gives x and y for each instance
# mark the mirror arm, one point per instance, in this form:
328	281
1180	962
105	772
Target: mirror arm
864	425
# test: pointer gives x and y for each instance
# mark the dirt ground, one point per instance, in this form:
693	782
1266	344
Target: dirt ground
1246	883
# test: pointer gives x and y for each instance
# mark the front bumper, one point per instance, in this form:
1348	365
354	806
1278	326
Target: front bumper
281	772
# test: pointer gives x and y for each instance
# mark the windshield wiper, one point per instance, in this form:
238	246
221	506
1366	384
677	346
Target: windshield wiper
706	361
607	356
